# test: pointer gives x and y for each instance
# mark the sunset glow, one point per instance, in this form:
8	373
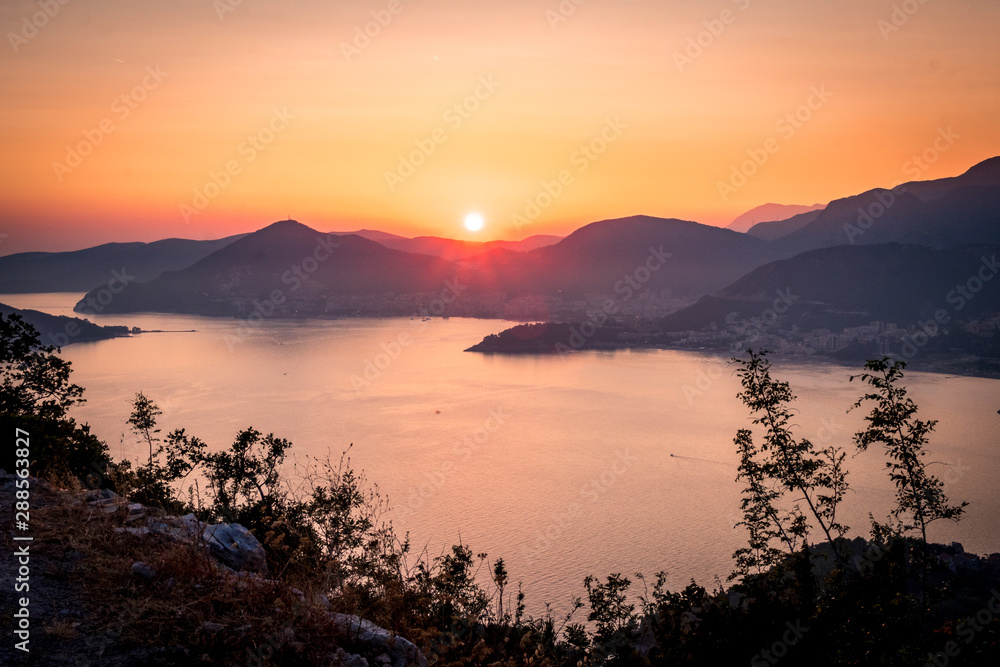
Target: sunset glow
138	121
474	222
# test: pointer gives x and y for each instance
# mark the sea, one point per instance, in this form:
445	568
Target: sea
591	463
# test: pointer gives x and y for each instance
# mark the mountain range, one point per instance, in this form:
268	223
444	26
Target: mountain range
451	249
81	270
910	242
307	273
602	257
848	286
939	214
287	269
769	213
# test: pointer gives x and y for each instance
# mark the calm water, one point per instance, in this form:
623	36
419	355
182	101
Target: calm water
564	466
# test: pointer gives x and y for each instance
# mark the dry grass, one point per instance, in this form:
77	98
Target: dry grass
189	611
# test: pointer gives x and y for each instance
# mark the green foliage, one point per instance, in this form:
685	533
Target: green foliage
450	585
335	522
892	422
36	396
610	608
780	465
245	478
33	379
615	619
328	525
760	517
152	484
143	421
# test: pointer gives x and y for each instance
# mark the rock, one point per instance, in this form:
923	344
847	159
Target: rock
183	528
230	544
235	546
402	651
345	659
135	512
143	570
100	494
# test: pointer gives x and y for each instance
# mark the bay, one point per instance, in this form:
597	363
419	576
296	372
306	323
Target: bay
565	466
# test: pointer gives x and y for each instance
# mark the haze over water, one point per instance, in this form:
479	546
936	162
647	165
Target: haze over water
564	466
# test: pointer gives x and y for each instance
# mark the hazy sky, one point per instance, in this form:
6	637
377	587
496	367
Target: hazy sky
121	118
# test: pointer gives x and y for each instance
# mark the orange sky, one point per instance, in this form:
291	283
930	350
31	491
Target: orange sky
532	91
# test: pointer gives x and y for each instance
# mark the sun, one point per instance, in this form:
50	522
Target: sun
474	222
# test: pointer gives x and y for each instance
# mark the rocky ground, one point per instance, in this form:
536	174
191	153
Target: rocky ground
115	583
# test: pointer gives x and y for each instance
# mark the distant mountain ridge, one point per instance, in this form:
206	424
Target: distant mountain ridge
941	213
769	213
599	258
296	271
775	229
81	270
452	249
850	285
288	269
